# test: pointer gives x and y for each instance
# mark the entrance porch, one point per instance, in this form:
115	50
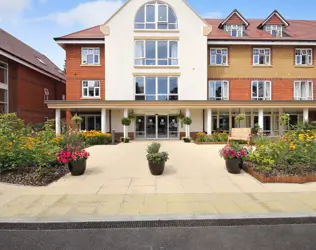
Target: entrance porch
159	119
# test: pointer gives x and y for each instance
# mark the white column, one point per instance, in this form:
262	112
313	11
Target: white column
57	121
260	118
187	127
305	115
126	127
103	120
217	120
209	122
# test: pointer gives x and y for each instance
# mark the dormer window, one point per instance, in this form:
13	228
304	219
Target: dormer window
274	30
236	30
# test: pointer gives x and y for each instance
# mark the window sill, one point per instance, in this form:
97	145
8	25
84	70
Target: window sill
90	65
155	31
90	98
157	67
218	65
262	66
304	66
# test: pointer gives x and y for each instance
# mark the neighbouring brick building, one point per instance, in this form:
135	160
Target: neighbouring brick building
156	58
27	79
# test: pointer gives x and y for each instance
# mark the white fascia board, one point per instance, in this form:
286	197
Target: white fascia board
14	58
101	41
289	43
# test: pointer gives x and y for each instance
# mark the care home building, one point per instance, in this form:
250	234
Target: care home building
156	59
27	79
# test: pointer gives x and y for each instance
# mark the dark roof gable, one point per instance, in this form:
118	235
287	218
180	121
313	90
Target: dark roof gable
238	15
277	16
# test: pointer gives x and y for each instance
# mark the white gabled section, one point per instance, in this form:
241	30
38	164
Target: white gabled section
120	51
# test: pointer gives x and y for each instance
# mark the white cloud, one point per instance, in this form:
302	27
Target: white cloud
214	14
85	14
10	10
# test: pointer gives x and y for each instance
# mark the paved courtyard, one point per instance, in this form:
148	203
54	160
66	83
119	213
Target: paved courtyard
117	182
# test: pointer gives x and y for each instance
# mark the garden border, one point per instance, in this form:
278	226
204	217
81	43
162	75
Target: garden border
280	179
210	143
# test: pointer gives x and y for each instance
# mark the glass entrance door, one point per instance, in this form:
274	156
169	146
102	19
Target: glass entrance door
162	126
151	127
173	127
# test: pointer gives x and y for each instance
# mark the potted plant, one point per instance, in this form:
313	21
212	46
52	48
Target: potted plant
186	139
187	121
239	118
156	159
234	156
76	159
125	139
180	118
285	120
77	120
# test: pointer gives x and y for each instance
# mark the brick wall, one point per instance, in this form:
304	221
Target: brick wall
234	20
75	73
274	20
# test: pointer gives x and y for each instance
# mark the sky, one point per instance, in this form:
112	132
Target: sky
37	22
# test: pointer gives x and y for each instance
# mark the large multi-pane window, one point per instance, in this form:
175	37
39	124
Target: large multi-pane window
303	56
156	15
261	56
219	56
4	88
156	52
303	90
90	56
274	30
90	88
235	29
261	90
218	90
156	88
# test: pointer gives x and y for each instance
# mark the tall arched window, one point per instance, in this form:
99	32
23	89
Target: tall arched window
156	15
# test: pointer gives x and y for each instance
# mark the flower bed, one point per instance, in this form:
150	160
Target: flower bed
290	158
215	138
27	157
210	143
96	137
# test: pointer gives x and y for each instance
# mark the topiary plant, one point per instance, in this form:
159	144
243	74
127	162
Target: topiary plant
126	121
187	120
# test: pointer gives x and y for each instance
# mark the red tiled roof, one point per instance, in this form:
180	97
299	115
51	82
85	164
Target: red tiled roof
17	48
299	30
90	33
303	30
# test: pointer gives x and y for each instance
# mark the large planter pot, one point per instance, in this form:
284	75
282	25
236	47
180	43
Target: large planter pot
156	168
77	167
233	166
186	140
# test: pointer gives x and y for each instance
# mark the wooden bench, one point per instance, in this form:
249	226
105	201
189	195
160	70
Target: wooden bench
242	134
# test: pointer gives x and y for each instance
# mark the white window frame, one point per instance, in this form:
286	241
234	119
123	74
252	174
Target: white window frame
298	94
264	98
262	52
212	96
5	87
95	51
156	23
239	28
87	87
270	28
156	87
304	52
219	51
169	58
46	94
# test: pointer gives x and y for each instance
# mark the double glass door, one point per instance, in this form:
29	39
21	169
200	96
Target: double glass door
156	127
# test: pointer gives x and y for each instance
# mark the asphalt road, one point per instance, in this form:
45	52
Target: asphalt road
278	237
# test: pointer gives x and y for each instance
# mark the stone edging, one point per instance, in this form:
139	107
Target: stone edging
281	179
210	143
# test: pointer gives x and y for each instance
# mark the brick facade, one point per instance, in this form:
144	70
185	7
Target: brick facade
76	73
234	19
26	92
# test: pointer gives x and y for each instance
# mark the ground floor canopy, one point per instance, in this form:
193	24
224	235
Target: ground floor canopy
159	120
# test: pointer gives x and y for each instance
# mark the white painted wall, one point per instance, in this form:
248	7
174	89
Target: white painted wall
119	53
